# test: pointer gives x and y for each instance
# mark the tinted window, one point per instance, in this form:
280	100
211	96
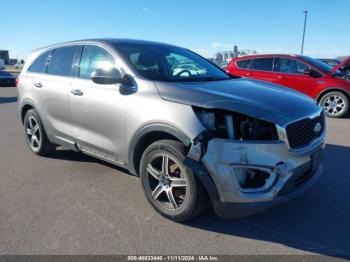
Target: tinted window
316	63
243	63
264	64
290	66
94	57
61	61
331	63
39	65
169	63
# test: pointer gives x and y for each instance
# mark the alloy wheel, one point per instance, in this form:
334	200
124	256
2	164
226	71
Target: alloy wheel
33	133
334	105
167	181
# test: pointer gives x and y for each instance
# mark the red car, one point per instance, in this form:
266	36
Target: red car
327	85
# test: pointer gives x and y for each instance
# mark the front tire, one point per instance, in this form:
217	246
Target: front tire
170	186
36	136
335	104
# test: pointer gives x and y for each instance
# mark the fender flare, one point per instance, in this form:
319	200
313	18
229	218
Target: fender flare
26	102
143	131
30	103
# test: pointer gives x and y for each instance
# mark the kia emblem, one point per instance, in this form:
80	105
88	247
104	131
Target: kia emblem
317	128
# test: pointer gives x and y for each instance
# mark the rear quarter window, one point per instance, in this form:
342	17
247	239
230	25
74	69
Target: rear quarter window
39	65
243	64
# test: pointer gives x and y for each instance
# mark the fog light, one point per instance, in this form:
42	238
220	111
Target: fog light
281	169
253	179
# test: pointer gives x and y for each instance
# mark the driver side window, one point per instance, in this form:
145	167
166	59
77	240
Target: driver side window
290	66
94	57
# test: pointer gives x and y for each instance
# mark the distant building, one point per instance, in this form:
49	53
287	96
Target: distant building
4	54
218	58
12	61
224	57
211	59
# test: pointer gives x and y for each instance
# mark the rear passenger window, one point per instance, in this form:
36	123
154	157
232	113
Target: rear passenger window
94	57
39	65
61	61
263	64
243	63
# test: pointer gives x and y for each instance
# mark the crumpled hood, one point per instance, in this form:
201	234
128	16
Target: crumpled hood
266	101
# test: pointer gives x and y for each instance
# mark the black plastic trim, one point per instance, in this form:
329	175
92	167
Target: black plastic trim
202	174
158	127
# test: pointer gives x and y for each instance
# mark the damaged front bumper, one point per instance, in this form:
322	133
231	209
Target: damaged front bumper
250	177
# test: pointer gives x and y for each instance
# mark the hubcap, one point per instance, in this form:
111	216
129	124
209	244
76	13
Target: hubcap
334	105
33	133
166	181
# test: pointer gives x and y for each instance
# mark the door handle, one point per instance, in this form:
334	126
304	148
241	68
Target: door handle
248	74
77	92
280	77
38	85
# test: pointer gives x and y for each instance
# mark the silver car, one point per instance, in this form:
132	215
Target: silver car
237	144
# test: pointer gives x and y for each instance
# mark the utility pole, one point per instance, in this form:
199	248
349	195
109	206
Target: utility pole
305	20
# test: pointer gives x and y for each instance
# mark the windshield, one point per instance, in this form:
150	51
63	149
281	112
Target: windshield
168	63
318	64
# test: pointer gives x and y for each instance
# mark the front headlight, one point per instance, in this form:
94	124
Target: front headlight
232	125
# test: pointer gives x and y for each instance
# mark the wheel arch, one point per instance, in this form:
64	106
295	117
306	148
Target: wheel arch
146	136
25	107
332	89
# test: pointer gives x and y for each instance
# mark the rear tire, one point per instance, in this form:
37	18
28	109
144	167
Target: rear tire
170	186
335	104
36	136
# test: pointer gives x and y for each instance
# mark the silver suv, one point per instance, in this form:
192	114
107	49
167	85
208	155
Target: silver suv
193	134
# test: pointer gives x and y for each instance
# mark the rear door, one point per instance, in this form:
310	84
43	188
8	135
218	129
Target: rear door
98	111
290	72
261	68
51	90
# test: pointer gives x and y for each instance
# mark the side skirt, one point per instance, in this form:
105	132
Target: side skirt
94	153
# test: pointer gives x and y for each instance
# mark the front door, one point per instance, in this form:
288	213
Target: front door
98	111
290	72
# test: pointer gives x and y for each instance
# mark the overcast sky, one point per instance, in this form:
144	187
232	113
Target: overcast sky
205	26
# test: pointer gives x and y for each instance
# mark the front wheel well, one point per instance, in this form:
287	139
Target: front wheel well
332	90
25	109
146	141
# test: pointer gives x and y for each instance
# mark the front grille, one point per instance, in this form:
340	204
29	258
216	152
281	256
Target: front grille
302	133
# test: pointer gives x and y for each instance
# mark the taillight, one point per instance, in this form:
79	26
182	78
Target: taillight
17	81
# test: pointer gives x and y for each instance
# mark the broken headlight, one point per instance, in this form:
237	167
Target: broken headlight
232	125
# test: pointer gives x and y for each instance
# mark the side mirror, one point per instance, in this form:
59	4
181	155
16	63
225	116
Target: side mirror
107	76
313	73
